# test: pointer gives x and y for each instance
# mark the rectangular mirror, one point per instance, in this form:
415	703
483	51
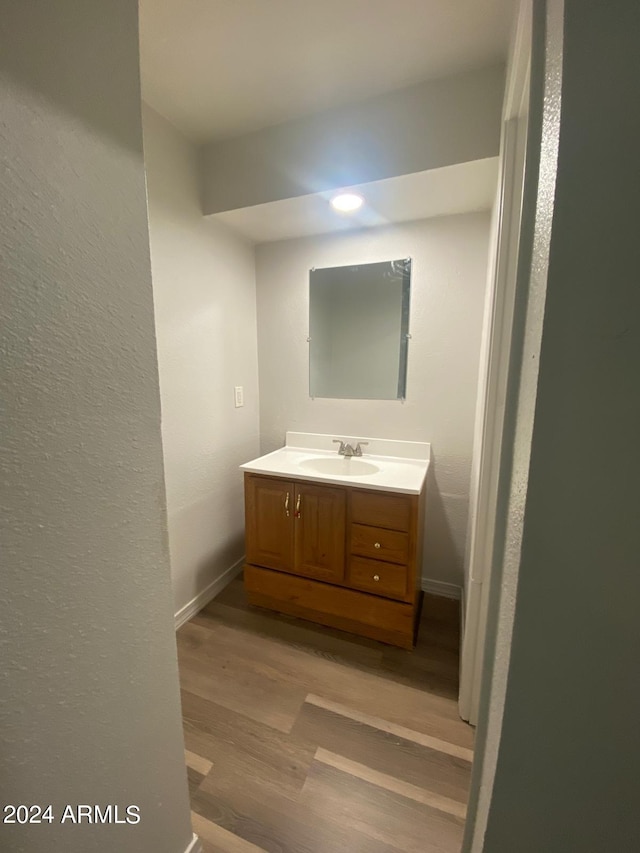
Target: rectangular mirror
358	327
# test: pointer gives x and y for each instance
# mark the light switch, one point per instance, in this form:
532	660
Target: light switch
239	396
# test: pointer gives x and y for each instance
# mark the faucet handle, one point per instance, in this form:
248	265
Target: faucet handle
341	443
359	446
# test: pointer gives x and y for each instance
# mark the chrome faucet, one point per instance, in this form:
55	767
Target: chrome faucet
344	449
347	449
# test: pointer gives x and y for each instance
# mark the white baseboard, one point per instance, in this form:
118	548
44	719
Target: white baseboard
446	590
192	607
195	846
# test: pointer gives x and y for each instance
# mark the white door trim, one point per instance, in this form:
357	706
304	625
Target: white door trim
195	846
498	324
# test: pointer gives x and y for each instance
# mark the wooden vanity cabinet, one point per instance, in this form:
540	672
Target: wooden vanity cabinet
295	527
338	555
319	532
269	522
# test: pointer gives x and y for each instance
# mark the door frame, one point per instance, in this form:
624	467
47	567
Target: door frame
495	359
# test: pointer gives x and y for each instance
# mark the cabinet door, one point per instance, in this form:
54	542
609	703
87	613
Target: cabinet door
269	522
320	532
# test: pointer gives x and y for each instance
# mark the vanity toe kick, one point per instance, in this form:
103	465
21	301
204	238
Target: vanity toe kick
347	609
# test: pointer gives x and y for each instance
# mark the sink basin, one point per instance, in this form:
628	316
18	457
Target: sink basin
344	466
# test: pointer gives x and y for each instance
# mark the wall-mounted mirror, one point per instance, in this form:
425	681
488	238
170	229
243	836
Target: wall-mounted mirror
359	326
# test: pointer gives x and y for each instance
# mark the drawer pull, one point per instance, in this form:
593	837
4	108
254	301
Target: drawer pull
298	512
377	545
376	577
286	505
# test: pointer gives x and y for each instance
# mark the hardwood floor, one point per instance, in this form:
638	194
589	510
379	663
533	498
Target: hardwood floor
302	739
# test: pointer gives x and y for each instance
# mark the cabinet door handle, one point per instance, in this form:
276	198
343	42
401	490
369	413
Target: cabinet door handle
377	545
286	505
298	502
376	577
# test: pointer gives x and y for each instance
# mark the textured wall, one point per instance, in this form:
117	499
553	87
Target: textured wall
89	709
566	776
447	297
205	303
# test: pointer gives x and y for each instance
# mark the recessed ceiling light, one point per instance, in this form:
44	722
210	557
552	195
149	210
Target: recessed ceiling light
347	202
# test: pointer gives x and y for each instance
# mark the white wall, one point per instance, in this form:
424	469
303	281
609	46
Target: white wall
204	294
89	706
447	297
431	124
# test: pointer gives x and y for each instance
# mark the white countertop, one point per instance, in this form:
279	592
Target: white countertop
389	468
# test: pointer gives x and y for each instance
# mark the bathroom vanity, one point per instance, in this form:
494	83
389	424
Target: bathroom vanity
338	539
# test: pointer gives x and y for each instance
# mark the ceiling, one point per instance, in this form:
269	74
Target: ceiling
221	68
463	188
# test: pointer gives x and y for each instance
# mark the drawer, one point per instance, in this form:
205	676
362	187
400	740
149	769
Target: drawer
377	577
377	543
380	509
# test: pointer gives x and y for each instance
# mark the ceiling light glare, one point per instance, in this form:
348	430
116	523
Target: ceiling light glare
347	202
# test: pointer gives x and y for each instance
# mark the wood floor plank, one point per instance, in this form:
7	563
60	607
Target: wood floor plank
391	783
277	824
380	814
301	739
315	639
197	762
194	780
192	635
384	725
435	670
235	683
443	612
243	749
278	669
386	753
220	838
